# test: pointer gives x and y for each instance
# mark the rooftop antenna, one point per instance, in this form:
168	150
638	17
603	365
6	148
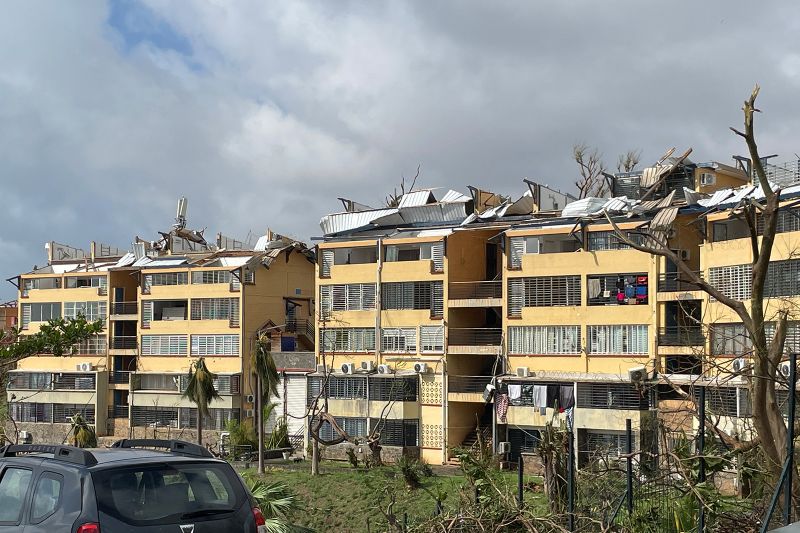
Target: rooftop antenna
180	216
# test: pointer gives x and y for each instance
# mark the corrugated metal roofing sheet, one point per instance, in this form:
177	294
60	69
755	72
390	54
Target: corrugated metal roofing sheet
339	222
416	198
452	196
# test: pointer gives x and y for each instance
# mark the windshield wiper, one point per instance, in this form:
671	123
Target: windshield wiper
206	512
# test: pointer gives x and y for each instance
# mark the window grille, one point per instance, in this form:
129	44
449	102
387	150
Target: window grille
217	419
207	277
399	340
523	441
414	295
396	432
516	297
393	389
734	281
26	316
215	345
516	250
623	339
326	262
544	340
95	345
788	220
723	401
90	310
339	387
355	427
166	278
147	313
544	291
31	412
348	339
602	444
249	277
214	308
165	382
164	345
154	416
610	240
792	342
730	339
350	297
63	412
783	278
611	396
432	339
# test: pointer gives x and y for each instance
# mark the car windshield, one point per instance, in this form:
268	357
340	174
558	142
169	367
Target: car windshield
158	492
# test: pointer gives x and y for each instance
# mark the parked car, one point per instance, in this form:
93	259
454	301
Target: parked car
135	486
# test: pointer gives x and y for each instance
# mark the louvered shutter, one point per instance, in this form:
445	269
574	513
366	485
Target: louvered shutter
326	263
147	313
147	283
432	338
26	315
353	297
339	297
325	300
516	297
515	252
437	256
437	299
368	296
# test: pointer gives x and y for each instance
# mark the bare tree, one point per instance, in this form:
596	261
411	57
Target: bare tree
627	162
591	168
393	199
767	353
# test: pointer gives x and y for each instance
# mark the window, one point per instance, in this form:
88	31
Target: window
46	496
730	339
523	440
408	252
733	281
414	295
399	340
40	313
625	339
164	344
63	412
396	432
217	419
215	308
165	278
605	444
351	297
432	339
208	277
31	412
215	345
792	342
519	246
90	310
95	345
617	289
393	389
544	291
343	388
13	489
41	283
348	339
609	240
788	220
611	396
355	427
544	340
77	282
153	416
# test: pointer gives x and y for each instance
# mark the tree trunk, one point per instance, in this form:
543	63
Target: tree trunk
260	425
199	427
314	457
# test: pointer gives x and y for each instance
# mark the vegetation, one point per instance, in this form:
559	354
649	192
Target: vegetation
57	337
267	379
276	502
201	392
83	435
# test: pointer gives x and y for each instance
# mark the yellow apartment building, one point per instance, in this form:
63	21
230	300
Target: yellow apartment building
161	310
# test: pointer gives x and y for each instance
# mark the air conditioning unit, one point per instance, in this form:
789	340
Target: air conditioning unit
86	367
421	368
78	367
638	374
249	413
504	447
250	398
384	369
706	178
348	368
369	366
739	364
785	368
322	370
683	254
25	437
523	372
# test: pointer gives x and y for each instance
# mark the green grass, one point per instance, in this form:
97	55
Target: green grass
342	498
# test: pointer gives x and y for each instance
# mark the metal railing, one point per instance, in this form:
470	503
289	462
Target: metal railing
474	336
123	343
124	308
463	290
119	377
467	383
681	336
117	411
676	281
302	327
51	381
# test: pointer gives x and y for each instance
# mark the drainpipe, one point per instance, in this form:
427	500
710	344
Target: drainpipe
444	409
378	305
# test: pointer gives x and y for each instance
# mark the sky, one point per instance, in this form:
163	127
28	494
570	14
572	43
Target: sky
262	113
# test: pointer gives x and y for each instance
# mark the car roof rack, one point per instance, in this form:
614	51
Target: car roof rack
68	454
174	446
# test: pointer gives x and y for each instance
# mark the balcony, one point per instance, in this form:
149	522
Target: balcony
467	388
681	336
44	381
119	377
123	345
124	311
117	411
474	340
676	282
475	294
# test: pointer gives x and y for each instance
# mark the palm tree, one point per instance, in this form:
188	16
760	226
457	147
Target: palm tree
83	435
201	392
267	379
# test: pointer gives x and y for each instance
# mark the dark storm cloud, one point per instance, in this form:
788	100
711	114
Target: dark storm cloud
263	112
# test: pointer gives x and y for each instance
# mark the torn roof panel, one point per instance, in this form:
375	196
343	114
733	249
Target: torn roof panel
523	206
452	196
416	198
340	222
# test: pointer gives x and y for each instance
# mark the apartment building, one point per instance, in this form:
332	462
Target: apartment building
449	311
8	319
163	305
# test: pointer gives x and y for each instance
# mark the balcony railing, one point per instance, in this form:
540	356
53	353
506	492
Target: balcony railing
474	290
301	327
474	336
51	381
124	308
681	336
467	383
117	411
123	343
675	282
119	377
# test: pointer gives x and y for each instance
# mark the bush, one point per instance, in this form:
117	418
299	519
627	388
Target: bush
412	471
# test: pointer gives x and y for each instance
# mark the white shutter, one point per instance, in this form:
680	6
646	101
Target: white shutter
325	300
437	256
437	299
147	313
515	251
368	296
26	315
326	263
295	399
516	297
432	338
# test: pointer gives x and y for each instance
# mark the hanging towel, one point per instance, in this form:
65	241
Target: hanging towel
566	397
514	392
540	395
552	395
501	405
594	287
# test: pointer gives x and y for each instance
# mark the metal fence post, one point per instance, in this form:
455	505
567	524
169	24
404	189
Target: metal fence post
629	469
701	471
787	502
571	483
520	467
